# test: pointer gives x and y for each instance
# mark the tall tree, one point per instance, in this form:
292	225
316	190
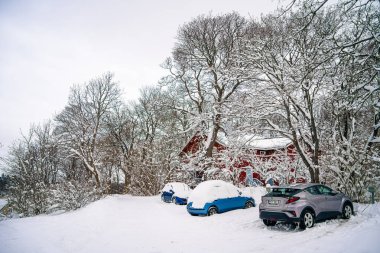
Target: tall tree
293	62
202	68
82	123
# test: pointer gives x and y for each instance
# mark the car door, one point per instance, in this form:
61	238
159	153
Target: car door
231	200
332	200
237	201
316	200
221	201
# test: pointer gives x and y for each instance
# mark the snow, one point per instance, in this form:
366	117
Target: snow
260	143
273	143
181	190
211	190
121	224
255	193
252	141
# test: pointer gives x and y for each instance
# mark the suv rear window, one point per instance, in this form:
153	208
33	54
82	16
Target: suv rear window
283	192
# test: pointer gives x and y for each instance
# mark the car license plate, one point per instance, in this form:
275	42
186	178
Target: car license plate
273	202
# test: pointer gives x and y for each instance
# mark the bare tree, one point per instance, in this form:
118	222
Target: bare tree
122	126
293	81
202	69
81	124
33	164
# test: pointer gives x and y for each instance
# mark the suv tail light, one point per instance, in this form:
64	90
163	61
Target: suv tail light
292	199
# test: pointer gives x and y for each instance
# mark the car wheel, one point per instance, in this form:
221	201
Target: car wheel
307	220
248	204
212	210
269	223
173	200
347	211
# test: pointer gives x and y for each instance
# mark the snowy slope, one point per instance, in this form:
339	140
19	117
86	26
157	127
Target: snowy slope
145	224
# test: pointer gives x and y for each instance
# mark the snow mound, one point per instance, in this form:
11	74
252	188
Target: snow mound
255	192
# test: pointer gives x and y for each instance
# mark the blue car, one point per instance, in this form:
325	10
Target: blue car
216	196
176	193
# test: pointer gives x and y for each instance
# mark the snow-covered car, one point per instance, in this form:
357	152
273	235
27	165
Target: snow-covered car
304	204
175	192
217	196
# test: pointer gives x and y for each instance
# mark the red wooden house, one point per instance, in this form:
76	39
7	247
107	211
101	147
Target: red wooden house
263	151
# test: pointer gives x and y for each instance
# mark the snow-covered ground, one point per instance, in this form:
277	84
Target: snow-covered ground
145	224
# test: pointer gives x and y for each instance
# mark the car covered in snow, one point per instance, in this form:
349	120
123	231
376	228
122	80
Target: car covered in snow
304	204
217	196
175	192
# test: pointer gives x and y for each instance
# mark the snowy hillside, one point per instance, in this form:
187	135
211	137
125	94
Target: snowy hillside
145	224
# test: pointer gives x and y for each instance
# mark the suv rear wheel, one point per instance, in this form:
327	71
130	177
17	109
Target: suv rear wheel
347	211
307	219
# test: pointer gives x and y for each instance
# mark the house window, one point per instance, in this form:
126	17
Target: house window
262	152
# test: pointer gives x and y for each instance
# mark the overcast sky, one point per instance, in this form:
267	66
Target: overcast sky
47	46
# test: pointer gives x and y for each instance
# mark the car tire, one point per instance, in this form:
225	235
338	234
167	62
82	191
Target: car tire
212	210
173	200
347	211
307	219
248	204
269	223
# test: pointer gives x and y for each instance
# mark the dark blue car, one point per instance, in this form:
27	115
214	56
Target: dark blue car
216	196
176	193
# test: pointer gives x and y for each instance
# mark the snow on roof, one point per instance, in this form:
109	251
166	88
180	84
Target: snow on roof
262	143
222	139
272	143
250	141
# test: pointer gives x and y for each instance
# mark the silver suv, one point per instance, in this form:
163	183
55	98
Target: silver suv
304	204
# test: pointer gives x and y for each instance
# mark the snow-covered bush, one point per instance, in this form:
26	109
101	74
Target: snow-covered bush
71	195
28	198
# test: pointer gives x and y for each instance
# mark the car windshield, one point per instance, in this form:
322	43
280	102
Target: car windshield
283	192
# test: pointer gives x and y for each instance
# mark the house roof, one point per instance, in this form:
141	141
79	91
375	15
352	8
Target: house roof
251	141
269	144
259	142
197	135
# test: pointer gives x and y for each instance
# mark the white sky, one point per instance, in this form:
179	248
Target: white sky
47	46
